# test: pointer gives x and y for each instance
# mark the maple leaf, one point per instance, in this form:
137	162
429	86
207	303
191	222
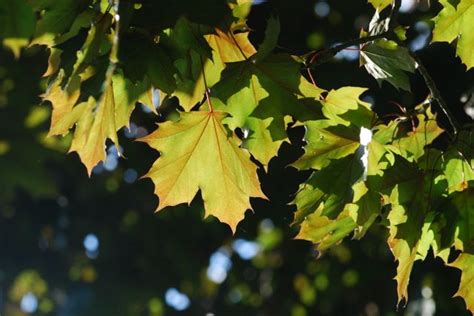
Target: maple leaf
330	187
334	202
270	93
459	163
220	47
327	142
385	60
57	18
457	22
198	154
410	192
458	171
412	145
344	106
325	232
465	262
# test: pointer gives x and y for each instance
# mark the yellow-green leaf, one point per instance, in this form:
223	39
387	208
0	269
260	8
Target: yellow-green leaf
457	22
465	263
197	153
96	124
327	142
226	48
324	231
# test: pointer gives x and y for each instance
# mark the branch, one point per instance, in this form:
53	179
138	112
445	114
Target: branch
326	55
435	94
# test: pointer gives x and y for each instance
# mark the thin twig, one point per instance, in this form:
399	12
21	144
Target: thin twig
235	42
311	77
326	55
435	94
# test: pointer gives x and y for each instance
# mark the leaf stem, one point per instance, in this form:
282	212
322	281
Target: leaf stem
206	87
311	77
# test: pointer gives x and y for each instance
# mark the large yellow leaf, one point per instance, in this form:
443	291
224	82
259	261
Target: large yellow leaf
197	153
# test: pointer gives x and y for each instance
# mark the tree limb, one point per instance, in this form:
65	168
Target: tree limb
326	55
435	93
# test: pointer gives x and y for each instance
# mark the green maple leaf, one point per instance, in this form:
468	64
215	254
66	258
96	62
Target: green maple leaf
463	203
267	94
271	39
458	171
457	22
410	192
197	153
412	145
333	203
458	166
385	60
143	60
365	208
58	18
331	186
326	232
326	142
344	106
263	94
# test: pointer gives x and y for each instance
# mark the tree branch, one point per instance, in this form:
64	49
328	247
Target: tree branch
326	55
435	94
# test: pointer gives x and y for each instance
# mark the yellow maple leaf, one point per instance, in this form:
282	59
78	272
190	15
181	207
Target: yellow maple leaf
197	153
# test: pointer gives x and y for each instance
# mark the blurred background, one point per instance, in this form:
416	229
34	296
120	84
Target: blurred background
71	246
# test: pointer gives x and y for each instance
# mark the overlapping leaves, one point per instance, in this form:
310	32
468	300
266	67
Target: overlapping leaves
105	56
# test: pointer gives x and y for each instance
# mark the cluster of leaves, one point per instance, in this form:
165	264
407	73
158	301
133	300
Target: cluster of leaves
235	105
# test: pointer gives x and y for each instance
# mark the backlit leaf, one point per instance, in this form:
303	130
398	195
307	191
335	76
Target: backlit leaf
465	262
457	22
197	153
388	62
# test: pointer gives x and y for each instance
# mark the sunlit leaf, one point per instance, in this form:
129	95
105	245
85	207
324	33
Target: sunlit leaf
197	153
385	61
465	262
457	22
